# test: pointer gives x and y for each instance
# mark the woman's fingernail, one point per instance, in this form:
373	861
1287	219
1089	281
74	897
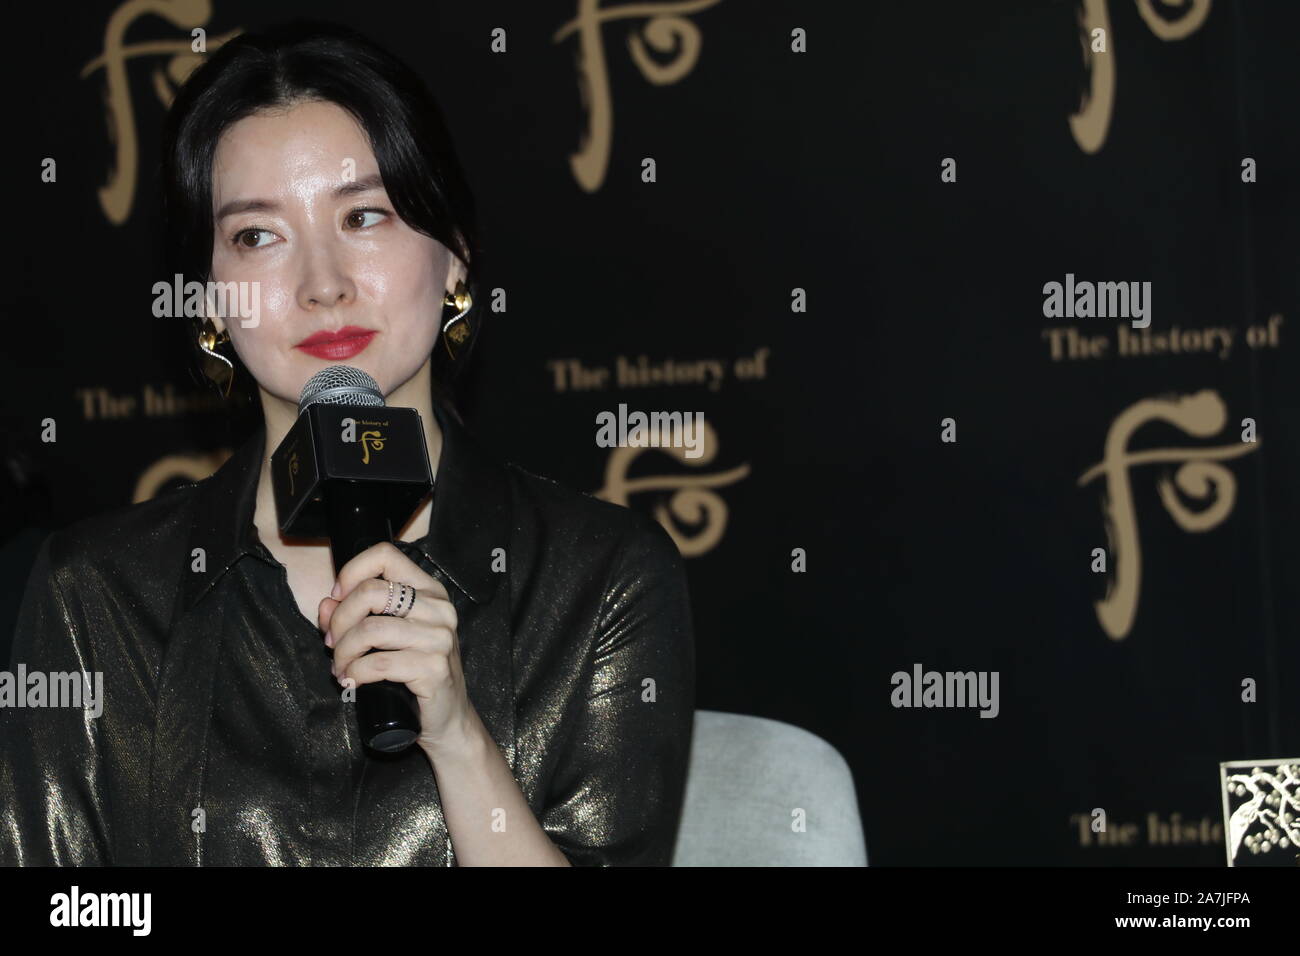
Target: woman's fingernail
329	639
335	593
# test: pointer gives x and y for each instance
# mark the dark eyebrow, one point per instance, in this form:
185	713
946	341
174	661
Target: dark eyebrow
363	185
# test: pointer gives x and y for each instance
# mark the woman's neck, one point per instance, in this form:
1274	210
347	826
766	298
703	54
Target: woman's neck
280	416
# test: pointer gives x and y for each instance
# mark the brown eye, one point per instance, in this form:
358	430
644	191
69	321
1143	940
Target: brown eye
356	219
249	238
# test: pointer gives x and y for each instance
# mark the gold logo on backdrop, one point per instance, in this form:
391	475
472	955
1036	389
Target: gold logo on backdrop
369	440
692	501
171	468
1091	123
667	28
1199	476
117	197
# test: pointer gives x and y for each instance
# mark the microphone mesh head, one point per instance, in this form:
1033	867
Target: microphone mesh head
340	385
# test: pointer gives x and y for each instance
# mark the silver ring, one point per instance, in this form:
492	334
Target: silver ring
405	601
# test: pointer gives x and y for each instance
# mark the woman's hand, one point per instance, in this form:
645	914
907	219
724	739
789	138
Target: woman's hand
420	650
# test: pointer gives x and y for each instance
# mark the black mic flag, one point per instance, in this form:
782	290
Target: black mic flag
352	469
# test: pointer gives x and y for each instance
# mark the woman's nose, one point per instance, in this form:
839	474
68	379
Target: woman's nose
325	280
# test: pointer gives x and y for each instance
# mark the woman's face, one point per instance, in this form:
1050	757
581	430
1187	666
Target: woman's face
300	210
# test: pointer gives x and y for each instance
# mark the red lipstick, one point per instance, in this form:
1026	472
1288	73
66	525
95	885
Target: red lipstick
336	346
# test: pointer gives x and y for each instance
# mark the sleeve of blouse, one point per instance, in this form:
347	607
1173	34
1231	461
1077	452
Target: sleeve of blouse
52	806
623	779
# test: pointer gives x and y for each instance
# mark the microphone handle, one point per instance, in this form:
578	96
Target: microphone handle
387	714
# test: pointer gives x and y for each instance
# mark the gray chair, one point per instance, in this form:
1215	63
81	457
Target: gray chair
747	777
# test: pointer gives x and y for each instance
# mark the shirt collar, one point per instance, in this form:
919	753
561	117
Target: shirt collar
471	514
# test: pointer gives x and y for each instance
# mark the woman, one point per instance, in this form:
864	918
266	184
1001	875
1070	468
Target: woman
548	647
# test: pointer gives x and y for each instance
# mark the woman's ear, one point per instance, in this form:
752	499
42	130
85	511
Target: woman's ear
458	272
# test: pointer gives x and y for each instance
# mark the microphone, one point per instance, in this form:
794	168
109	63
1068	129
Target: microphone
352	469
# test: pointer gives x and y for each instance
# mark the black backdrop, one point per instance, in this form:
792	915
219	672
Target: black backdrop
819	170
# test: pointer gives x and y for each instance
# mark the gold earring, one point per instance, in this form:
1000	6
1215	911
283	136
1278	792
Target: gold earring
461	301
216	367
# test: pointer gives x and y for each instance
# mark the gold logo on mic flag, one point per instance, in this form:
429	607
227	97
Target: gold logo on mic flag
370	439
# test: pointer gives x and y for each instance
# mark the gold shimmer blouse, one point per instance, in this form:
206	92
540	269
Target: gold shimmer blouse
224	740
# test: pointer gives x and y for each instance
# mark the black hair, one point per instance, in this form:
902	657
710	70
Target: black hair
303	61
